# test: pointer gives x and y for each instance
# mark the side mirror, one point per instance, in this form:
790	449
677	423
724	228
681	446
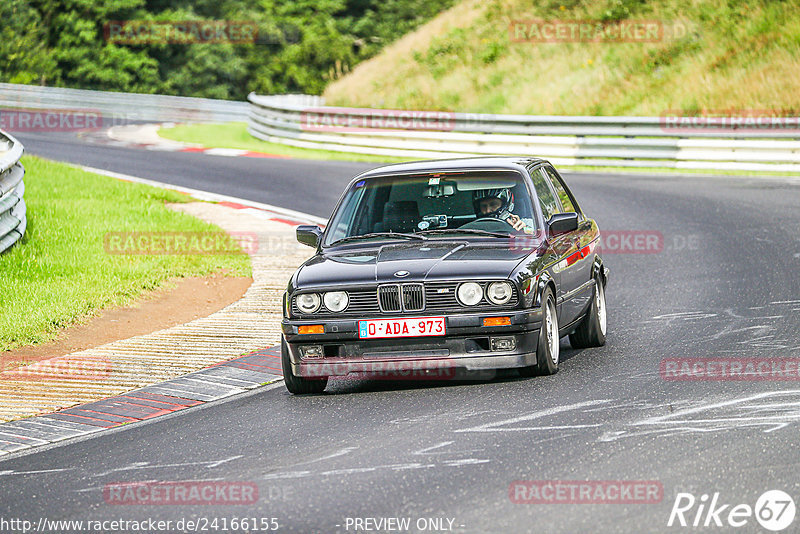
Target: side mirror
309	235
561	223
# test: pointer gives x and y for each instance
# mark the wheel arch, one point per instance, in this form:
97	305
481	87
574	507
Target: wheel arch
598	269
545	281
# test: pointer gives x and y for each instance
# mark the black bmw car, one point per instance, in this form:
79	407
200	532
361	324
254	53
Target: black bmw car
476	263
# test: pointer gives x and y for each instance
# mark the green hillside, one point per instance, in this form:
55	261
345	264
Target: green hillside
713	55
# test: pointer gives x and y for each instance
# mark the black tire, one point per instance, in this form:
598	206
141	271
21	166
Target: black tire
547	352
297	384
592	330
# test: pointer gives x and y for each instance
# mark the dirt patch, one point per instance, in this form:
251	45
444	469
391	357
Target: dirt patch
181	300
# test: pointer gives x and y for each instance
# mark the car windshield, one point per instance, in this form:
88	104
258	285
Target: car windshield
468	204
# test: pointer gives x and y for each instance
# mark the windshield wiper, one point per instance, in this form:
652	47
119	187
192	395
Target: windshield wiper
379	234
466	231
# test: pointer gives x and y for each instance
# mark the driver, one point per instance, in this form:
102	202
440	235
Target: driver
498	204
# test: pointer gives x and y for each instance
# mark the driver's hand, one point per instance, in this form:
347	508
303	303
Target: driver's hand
515	222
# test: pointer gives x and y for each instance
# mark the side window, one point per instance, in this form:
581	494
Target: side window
561	191
547	200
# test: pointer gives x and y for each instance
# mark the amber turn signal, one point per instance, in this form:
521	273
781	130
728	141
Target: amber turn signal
497	321
311	329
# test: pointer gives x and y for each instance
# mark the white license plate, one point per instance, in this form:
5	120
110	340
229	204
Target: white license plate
406	327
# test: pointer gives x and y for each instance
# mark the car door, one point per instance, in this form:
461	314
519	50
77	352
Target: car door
577	273
562	245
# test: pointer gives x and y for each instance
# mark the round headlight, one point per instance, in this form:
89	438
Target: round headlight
469	293
308	302
498	292
335	301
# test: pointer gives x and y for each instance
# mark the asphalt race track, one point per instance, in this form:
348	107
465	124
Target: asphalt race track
724	283
269	180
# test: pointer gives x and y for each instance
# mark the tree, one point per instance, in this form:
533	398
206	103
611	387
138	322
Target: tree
24	57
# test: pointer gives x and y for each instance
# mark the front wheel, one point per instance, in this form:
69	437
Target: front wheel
297	384
592	330
548	350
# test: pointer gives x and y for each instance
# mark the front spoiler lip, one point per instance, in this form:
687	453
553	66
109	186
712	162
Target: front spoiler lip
442	368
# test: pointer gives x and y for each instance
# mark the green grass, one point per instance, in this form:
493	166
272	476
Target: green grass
234	135
714	55
60	273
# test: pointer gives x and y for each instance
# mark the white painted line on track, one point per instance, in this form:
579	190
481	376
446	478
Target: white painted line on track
231	152
707	407
494	427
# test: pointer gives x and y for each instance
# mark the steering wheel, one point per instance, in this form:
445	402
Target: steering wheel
490	224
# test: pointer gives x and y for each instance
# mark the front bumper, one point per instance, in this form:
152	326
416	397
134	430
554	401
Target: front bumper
468	345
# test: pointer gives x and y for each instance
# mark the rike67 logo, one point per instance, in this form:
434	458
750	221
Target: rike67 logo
774	510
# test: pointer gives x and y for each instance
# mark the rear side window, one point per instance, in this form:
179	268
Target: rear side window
547	199
561	191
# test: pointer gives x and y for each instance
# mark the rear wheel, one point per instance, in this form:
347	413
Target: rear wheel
547	351
297	384
592	330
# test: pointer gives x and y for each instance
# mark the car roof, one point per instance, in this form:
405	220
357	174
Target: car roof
514	163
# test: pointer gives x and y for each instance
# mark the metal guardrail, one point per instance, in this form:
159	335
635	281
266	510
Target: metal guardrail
13	218
304	121
122	108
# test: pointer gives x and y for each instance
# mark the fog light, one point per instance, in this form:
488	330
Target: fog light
503	343
311	329
497	321
308	352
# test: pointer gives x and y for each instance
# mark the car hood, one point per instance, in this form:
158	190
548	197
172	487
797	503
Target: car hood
423	261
